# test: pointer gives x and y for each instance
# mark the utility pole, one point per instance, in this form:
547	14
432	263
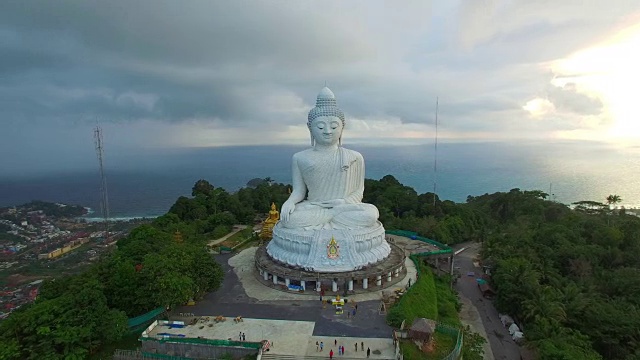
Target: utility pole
435	159
104	198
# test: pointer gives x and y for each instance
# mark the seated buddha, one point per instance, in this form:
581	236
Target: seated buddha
328	180
270	222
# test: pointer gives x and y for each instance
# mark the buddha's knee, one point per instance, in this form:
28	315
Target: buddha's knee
363	217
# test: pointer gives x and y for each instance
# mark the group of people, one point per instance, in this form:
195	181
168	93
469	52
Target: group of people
241	336
320	347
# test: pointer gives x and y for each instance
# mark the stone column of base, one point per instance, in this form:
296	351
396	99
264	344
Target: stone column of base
318	286
379	280
397	272
351	285
275	279
265	275
389	277
365	283
303	285
334	286
287	282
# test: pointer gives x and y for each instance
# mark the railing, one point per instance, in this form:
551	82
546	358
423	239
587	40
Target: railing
141	355
444	249
441	328
216	342
144	318
453	331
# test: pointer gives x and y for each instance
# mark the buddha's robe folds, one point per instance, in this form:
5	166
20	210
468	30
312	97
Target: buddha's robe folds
331	176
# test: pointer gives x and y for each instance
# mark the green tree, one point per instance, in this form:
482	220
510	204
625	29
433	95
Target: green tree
612	200
544	304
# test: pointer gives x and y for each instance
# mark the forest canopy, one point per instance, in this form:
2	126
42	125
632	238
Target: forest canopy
571	277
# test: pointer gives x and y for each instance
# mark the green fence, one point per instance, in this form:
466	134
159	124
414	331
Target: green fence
444	249
454	332
120	354
144	318
147	355
212	342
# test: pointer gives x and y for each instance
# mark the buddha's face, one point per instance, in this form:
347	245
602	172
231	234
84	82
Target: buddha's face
326	130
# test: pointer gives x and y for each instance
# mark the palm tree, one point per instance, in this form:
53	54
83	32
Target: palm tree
545	303
613	199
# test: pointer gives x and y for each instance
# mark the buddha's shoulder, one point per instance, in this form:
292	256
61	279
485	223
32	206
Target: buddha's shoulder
302	154
352	153
307	153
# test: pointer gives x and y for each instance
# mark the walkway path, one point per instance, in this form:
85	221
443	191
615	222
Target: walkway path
236	228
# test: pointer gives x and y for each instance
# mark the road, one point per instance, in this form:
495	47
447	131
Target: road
502	346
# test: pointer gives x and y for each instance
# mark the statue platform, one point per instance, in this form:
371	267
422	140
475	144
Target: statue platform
370	278
329	250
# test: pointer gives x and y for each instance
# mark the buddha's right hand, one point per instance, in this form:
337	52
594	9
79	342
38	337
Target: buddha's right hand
287	209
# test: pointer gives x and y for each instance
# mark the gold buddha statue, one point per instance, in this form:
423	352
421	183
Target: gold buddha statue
269	223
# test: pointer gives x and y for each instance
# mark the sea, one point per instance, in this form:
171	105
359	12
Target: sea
147	185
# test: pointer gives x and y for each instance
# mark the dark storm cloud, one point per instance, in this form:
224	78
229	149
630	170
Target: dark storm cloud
245	64
196	57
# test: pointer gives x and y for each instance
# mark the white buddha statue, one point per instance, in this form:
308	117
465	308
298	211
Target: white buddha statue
328	180
324	226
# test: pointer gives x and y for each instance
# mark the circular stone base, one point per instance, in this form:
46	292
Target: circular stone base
378	272
329	250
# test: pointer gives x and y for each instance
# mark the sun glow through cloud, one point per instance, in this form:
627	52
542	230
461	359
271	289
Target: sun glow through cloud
609	71
539	107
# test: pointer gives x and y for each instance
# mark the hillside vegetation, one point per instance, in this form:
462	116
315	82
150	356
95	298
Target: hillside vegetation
572	277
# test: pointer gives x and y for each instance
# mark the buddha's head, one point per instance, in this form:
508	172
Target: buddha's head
326	120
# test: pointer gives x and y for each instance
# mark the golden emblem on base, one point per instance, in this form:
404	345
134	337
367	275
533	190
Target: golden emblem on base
333	249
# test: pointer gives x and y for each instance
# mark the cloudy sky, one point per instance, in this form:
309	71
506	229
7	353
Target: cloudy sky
162	74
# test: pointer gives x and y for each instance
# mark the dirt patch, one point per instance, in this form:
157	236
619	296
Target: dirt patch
19	279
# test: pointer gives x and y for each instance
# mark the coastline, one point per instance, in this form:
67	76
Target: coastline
118	218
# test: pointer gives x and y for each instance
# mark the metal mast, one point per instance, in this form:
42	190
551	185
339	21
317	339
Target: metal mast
104	198
435	158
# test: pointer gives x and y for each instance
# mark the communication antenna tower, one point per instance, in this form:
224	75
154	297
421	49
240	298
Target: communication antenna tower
435	158
104	198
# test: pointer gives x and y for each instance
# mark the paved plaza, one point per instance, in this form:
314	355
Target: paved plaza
288	337
293	321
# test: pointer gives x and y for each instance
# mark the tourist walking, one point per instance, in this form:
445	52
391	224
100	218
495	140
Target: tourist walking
317	346
362	345
339	350
331	354
356	346
243	337
342	346
335	342
240	336
368	352
321	345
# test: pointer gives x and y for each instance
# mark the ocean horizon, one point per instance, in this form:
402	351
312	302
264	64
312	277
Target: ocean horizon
146	185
